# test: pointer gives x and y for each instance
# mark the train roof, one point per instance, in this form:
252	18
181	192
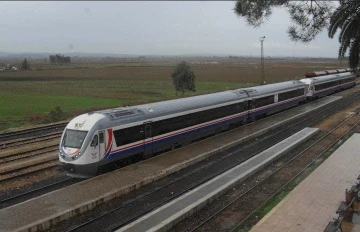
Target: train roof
272	88
147	112
327	78
189	103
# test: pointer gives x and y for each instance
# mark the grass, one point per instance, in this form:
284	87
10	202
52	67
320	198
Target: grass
27	102
19	109
27	96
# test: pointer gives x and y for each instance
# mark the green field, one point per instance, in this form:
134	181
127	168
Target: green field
27	102
27	97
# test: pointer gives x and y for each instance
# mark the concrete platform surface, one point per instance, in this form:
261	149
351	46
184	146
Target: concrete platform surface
165	217
67	202
313	203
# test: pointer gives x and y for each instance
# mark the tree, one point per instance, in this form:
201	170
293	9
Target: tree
59	59
309	18
183	78
347	18
25	65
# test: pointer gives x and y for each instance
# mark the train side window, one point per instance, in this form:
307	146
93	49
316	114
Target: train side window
101	137
264	101
128	135
188	120
119	135
94	141
147	131
291	94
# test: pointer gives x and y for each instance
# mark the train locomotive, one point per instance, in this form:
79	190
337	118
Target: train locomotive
95	140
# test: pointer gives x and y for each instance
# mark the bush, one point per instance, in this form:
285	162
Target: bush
55	115
183	78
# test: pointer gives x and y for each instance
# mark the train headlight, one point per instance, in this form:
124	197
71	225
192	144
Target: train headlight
62	154
77	155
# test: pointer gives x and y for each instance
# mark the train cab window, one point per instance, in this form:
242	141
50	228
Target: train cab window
74	138
94	141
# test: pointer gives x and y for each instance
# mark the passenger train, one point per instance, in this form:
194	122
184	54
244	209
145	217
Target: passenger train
95	140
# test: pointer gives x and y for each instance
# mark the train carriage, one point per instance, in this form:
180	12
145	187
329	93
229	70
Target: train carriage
113	135
326	85
268	99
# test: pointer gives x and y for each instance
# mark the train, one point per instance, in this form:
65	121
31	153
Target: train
326	72
93	141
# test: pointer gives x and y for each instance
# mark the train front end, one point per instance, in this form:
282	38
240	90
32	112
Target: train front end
78	154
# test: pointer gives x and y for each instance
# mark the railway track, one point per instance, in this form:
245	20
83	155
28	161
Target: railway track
16	162
11	157
31	132
35	192
229	207
30	140
141	201
26	172
24	164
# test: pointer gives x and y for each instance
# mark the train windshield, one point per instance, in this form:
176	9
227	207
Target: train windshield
74	138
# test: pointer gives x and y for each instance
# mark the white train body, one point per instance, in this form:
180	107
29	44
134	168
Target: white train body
94	140
329	84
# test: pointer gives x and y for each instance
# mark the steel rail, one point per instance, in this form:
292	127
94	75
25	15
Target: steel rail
25	141
269	176
299	173
28	131
37	192
26	174
27	154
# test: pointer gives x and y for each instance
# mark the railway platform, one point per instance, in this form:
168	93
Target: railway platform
313	203
169	214
46	210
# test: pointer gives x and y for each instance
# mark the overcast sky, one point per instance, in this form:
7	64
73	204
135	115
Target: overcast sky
148	28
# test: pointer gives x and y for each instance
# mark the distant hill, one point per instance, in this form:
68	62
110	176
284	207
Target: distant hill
41	55
33	55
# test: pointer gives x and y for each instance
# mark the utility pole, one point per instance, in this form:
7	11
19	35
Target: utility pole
262	61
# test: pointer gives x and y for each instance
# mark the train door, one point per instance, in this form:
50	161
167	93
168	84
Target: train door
94	156
101	144
148	140
98	147
251	107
